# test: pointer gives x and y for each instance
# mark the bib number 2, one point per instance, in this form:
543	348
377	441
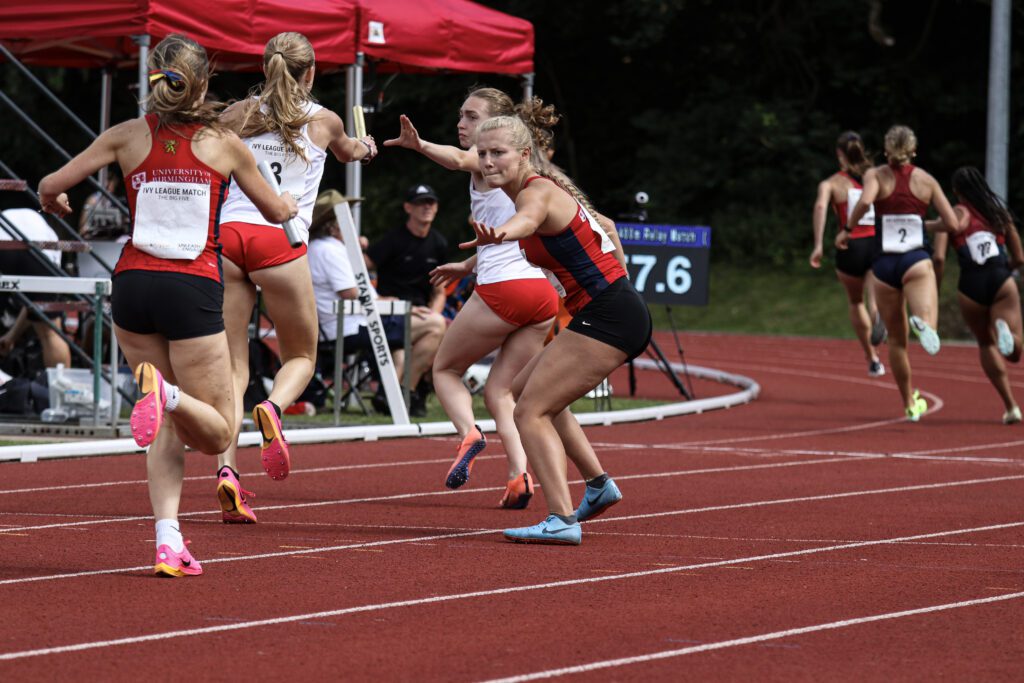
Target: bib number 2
902	233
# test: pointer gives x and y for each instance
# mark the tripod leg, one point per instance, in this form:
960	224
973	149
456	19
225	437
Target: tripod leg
667	369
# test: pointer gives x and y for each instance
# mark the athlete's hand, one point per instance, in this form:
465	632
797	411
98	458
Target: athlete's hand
408	137
842	240
449	272
816	257
56	204
484	235
293	208
371	149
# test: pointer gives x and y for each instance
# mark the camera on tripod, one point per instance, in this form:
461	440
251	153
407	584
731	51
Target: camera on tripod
638	213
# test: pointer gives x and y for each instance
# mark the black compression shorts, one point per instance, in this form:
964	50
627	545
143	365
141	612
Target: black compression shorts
174	305
855	260
617	317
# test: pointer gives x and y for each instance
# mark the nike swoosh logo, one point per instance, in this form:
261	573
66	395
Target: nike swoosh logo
186	563
556	531
584	322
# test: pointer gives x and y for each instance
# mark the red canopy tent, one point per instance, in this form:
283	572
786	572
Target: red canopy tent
452	35
455	35
97	33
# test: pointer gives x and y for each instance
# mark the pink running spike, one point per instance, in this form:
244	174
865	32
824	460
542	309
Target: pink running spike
170	563
148	412
233	504
274	453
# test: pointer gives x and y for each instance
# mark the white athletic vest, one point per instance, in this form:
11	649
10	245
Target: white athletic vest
293	173
498	262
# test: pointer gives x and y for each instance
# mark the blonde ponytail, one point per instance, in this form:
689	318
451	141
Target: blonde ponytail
281	100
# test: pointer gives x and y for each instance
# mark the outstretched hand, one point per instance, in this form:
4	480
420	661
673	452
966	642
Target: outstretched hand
408	136
484	235
449	272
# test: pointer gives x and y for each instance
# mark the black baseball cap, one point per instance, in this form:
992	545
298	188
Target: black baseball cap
420	192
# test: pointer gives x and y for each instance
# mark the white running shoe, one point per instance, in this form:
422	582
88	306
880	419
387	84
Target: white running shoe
876	369
1004	338
929	337
1012	416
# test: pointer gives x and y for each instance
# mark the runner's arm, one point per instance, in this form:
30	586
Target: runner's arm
452	158
102	152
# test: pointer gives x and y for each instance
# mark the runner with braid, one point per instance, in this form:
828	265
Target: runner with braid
610	325
168	287
988	249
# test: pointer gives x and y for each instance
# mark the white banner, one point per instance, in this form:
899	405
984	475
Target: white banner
381	352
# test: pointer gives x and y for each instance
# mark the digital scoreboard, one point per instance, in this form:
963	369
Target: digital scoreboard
668	264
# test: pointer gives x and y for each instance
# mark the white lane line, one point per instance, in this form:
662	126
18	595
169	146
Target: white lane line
911	455
297	470
402	496
750	640
166	635
806	499
601	520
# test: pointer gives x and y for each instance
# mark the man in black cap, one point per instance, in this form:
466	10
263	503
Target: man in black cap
403	259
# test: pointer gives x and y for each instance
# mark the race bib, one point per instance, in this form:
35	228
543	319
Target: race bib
982	245
852	197
902	233
172	219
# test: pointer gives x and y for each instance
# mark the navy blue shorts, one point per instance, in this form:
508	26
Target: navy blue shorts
890	268
174	305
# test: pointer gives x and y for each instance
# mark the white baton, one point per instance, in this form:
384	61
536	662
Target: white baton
290	229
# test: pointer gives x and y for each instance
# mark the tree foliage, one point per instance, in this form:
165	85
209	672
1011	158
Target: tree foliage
725	112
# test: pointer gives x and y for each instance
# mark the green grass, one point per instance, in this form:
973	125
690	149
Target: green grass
794	300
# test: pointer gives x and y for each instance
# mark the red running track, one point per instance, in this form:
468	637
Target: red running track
810	535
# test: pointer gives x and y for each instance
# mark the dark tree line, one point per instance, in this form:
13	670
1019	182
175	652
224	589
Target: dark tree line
724	111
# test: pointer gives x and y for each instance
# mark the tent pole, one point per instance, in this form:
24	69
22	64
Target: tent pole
354	172
528	86
143	42
105	93
998	98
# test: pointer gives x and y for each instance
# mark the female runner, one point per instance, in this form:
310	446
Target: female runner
285	127
853	265
901	194
989	300
167	286
511	307
610	325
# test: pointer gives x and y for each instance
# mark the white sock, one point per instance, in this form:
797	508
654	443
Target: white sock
173	394
167	533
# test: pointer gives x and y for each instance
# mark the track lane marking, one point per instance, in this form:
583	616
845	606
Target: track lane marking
403	496
166	635
480	532
749	640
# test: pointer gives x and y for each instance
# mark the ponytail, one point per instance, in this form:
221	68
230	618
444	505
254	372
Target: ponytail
852	147
179	72
281	100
